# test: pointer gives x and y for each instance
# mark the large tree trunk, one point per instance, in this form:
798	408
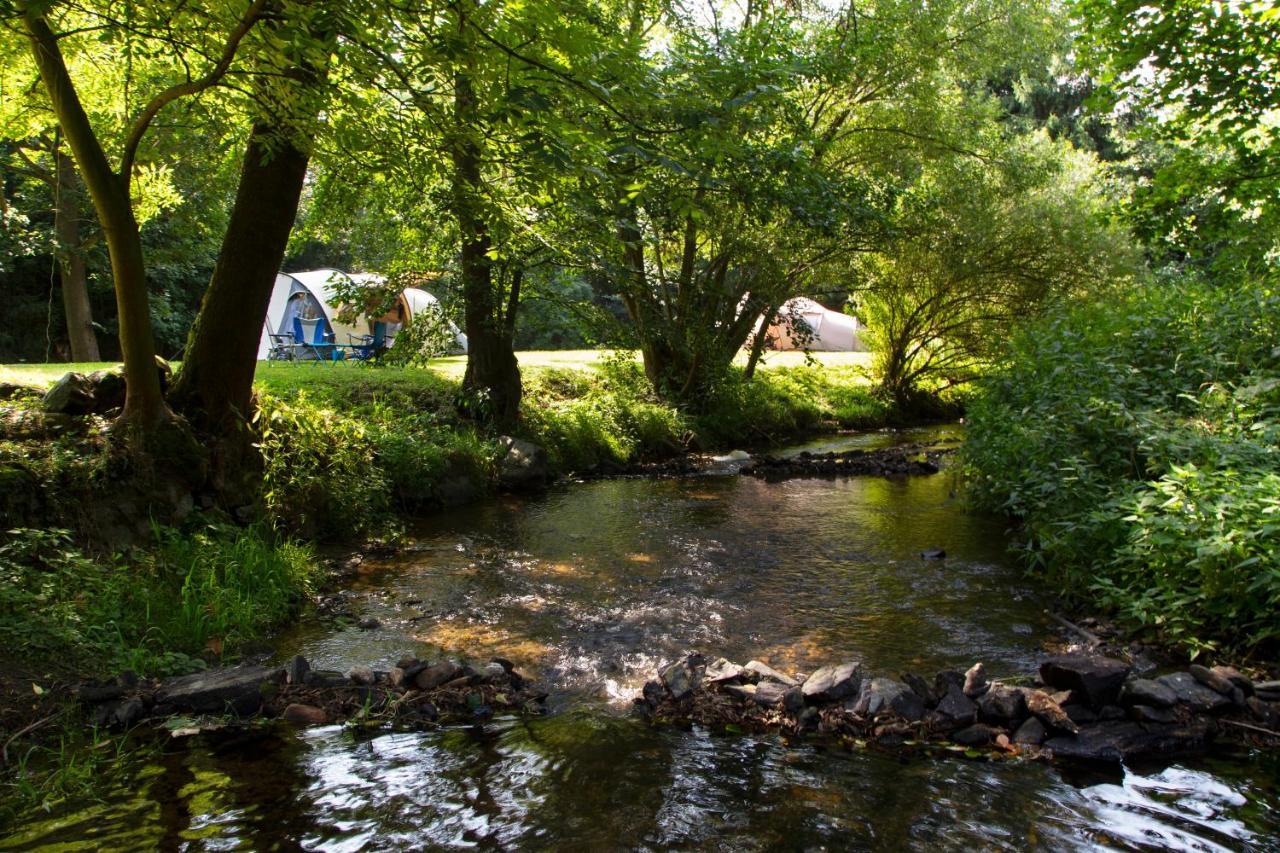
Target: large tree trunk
493	374
216	382
144	406
75	287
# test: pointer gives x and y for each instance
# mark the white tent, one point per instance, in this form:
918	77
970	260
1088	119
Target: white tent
309	296
831	331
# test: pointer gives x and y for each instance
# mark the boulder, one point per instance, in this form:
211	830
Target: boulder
307	715
1002	704
944	680
764	672
721	670
522	466
975	681
1098	678
1116	742
296	670
771	694
920	687
1032	732
1194	694
684	676
975	735
1042	706
877	695
955	709
70	395
1148	714
435	676
237	690
108	389
1235	677
833	683
908	705
1149	692
1214	681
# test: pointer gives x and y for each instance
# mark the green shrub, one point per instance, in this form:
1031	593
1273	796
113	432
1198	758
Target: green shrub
1137	439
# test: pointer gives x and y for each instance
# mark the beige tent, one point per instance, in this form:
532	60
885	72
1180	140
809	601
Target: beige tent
831	331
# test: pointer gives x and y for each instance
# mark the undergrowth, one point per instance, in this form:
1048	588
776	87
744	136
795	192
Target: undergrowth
1138	440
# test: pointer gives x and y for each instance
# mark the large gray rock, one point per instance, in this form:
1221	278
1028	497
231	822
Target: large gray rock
877	696
522	466
1193	694
684	676
763	672
1096	678
956	709
722	670
108	389
437	675
237	690
1116	742
1147	691
832	683
70	395
1032	732
1001	704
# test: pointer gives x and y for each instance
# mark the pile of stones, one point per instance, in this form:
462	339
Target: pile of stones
412	692
1080	706
901	461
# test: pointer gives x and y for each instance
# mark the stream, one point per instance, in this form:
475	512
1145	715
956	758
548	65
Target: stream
592	585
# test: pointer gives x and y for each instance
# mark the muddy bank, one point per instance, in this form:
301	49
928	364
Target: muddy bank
1078	706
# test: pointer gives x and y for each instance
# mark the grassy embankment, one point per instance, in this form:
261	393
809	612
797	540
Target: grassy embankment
1139	440
349	451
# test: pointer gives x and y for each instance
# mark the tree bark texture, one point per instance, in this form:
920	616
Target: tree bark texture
71	267
493	374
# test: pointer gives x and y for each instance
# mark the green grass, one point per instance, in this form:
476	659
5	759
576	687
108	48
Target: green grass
277	375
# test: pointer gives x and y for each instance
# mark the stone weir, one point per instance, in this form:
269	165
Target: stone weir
415	692
1080	706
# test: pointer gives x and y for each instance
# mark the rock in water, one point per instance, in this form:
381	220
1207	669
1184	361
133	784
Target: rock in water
767	673
975	681
975	735
307	715
1097	678
1031	732
721	670
933	554
434	676
1001	704
956	709
296	670
1145	691
684	676
1194	694
523	465
1115	742
832	683
237	690
1047	711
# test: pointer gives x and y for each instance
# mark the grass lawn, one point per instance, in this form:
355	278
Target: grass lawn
291	376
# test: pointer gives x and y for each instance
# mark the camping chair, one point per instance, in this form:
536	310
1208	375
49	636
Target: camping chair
321	344
366	348
283	348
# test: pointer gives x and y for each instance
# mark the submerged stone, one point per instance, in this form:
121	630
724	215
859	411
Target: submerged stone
1116	742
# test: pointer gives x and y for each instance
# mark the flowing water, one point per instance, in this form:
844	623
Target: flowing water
590	587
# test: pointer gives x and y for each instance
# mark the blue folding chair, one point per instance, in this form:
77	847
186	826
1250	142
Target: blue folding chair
366	348
321	345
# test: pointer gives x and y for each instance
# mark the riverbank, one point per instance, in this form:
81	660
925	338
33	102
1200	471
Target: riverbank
106	576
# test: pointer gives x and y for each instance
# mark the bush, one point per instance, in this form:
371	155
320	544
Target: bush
207	590
1137	438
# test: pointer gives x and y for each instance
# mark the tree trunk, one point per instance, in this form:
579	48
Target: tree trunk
144	406
75	288
758	343
493	374
216	382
